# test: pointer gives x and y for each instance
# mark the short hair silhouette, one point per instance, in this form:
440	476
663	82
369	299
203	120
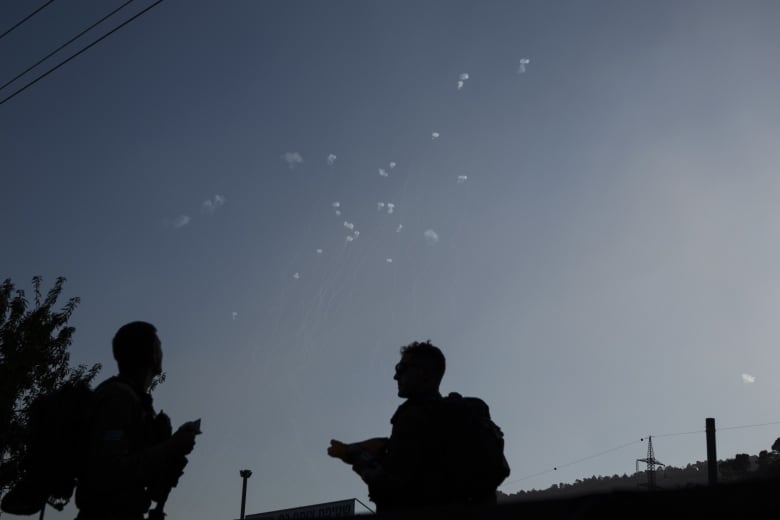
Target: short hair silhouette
133	346
427	353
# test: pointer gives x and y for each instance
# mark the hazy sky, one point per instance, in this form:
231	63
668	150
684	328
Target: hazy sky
587	223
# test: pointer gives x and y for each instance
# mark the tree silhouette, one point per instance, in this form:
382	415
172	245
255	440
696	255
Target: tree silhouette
732	469
34	360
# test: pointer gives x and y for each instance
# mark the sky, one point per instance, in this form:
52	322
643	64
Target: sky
577	201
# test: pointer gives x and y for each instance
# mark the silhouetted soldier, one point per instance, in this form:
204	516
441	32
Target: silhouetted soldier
441	450
134	459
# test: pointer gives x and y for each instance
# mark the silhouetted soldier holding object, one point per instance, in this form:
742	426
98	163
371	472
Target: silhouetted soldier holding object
134	458
442	450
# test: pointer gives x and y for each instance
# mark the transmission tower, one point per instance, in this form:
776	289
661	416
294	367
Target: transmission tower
651	462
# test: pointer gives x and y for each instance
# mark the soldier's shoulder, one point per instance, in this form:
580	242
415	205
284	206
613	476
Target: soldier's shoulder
117	391
415	411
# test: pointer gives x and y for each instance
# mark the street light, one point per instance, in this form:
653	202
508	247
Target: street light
245	474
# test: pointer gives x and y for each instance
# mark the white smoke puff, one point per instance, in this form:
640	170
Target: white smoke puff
431	236
319	251
210	206
462	79
392	165
435	135
297	276
383	172
462	179
292	159
331	159
336	204
349	225
350	238
389	260
747	378
379	206
338	213
390	208
523	63
181	221
356	233
399	228
235	315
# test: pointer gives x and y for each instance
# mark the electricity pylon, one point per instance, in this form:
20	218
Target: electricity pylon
652	464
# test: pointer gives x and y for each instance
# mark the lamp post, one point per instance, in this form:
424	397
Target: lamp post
245	474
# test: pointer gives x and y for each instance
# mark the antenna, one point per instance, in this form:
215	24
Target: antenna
651	462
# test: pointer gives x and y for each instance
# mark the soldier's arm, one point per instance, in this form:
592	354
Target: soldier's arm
353	452
118	444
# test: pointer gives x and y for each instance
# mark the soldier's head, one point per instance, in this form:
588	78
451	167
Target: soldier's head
420	370
138	351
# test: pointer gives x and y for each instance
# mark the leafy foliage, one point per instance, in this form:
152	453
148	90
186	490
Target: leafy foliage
34	360
736	468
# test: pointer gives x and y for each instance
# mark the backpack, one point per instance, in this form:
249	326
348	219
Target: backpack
477	465
58	437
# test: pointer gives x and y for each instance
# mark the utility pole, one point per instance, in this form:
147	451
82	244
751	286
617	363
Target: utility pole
245	474
712	456
651	462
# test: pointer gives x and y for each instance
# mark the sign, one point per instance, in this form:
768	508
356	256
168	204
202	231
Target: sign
325	510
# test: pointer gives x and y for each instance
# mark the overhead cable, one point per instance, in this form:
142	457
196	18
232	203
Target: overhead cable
620	447
112	31
58	49
20	22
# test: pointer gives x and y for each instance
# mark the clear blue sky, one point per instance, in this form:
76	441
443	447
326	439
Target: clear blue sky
592	238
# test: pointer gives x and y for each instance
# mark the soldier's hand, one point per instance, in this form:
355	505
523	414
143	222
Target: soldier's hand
183	441
192	425
338	449
162	426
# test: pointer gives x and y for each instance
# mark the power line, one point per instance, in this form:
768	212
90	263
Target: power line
112	31
723	428
58	49
749	426
679	433
620	447
599	454
20	22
